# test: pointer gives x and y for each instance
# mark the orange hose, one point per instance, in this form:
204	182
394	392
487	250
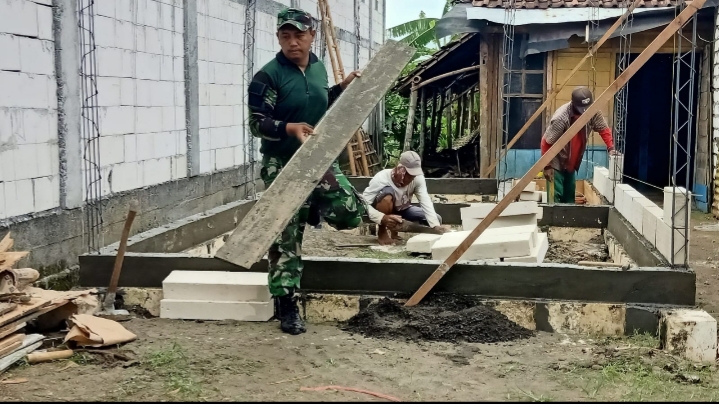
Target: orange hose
371	393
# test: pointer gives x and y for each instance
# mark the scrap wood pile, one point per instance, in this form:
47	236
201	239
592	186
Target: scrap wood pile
23	306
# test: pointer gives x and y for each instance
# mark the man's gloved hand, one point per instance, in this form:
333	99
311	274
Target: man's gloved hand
391	221
549	173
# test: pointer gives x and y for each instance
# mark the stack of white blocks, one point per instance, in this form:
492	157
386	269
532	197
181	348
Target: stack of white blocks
690	333
513	237
530	193
653	222
214	295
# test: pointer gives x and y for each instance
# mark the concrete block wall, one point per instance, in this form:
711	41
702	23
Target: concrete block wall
141	94
29	168
221	68
161	116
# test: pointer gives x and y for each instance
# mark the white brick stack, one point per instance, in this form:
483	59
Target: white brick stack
214	295
29	153
422	243
690	333
603	184
517	214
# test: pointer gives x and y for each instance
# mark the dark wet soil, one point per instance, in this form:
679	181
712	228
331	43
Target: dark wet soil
440	318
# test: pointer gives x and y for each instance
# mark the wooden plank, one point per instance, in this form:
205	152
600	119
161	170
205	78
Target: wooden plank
269	216
8	259
673	27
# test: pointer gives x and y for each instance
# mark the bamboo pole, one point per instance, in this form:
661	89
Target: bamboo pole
622	80
410	121
556	91
423	122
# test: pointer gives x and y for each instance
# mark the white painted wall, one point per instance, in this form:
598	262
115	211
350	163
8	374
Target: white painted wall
29	168
141	90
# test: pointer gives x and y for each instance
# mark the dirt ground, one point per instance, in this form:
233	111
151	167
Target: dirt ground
226	361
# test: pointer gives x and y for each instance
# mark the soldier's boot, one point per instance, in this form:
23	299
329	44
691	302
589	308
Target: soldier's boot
289	315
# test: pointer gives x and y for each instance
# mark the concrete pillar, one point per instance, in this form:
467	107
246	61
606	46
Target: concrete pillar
67	66
192	88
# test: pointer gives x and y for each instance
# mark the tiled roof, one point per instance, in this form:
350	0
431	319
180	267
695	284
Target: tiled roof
543	4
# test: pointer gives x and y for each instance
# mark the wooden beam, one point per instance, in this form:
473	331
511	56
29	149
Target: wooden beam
607	95
556	91
273	211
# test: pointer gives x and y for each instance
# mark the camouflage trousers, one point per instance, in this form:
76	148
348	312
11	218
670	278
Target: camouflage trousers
334	199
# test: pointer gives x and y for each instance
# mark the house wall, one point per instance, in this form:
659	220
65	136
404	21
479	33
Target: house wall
171	88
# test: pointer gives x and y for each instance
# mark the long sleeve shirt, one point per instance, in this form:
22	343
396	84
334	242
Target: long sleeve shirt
281	93
570	157
403	196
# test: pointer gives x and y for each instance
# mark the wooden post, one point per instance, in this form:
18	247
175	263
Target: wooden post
433	121
410	120
605	97
556	91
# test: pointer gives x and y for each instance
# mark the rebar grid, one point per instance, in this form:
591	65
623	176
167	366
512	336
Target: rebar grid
619	129
250	150
681	142
508	49
90	126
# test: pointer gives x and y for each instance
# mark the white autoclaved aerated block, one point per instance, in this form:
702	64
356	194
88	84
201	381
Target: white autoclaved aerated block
216	286
535	196
689	333
507	221
678	196
216	310
619	192
650	216
485	247
637	210
422	243
616	167
481	210
664	243
539	252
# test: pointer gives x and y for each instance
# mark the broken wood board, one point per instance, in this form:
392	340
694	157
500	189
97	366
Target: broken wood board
29	344
563	140
8	349
271	214
12	328
23	310
11	340
8	259
6	243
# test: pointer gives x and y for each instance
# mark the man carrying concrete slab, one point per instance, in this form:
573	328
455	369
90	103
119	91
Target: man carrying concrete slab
389	198
562	169
286	98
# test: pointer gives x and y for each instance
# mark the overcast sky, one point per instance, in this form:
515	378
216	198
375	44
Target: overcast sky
400	11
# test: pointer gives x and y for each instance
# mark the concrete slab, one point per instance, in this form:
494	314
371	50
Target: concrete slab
539	252
691	334
216	286
535	196
422	243
216	310
487	246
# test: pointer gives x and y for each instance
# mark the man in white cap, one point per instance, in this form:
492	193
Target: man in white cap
389	198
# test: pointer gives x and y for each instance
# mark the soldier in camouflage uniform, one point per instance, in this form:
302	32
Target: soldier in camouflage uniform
286	98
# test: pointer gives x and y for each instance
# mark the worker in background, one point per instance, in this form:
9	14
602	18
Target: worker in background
287	97
389	198
563	168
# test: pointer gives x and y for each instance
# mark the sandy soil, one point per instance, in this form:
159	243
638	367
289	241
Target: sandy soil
224	361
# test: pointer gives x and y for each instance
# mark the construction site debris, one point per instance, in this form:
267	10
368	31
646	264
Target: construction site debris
97	332
444	318
29	344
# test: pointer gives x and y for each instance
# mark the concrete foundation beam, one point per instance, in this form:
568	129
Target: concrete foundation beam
339	275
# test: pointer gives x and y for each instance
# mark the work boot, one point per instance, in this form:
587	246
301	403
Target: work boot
289	315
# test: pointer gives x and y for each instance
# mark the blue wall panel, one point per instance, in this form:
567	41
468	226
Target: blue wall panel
518	162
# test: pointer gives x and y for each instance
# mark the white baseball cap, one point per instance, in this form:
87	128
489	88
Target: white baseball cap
411	161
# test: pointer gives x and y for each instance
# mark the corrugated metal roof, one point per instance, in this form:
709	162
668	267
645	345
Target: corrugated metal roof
543	4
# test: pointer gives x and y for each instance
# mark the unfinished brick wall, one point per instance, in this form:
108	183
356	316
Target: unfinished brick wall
29	168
